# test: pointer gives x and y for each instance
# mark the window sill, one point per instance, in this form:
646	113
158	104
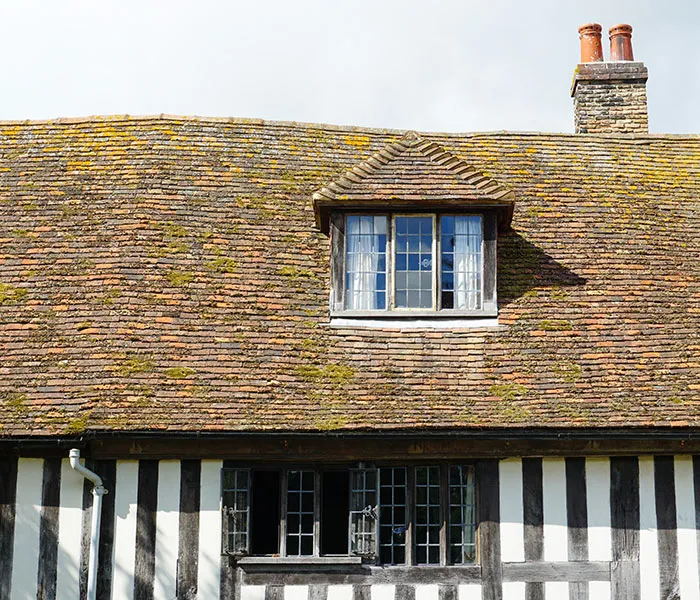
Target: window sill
415	314
265	561
415	322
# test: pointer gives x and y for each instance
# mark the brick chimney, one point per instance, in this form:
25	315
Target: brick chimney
611	96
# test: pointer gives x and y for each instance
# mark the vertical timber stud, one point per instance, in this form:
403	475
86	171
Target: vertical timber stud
405	592
624	520
188	547
146	512
318	591
361	592
274	592
48	529
447	591
577	521
108	471
533	520
489	529
665	492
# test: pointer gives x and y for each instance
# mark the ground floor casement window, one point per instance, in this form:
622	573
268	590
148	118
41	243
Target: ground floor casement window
394	515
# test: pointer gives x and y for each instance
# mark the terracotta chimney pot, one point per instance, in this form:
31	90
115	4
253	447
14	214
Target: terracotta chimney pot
621	43
591	46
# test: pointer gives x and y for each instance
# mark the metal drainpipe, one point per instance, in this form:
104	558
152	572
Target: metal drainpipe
98	491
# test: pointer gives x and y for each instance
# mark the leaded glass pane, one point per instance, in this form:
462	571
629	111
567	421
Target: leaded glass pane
363	511
365	262
392	519
461	262
462	529
427	515
413	262
235	484
300	513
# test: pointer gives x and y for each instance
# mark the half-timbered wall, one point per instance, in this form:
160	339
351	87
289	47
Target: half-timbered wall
552	528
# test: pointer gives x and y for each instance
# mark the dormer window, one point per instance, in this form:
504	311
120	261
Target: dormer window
413	234
414	264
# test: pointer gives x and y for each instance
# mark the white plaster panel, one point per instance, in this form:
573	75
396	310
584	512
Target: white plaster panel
253	592
340	592
25	566
599	590
70	526
598	505
167	529
555	527
124	549
469	591
687	536
511	501
648	541
513	590
556	590
209	565
427	592
296	592
383	591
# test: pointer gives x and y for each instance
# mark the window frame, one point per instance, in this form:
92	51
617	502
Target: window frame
489	308
445	544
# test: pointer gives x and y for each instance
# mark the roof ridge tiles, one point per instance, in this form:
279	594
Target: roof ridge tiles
634	138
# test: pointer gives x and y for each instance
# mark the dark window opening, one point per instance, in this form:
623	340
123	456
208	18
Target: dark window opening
335	506
423	515
265	512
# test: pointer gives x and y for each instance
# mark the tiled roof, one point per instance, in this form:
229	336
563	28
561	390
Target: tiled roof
167	274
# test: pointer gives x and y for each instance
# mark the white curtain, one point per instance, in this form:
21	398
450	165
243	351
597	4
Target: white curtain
467	269
362	264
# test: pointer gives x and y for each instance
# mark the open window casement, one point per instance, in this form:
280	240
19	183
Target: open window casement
235	507
364	512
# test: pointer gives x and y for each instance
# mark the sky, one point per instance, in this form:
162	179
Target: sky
440	65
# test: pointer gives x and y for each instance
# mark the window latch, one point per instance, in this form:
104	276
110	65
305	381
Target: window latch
370	511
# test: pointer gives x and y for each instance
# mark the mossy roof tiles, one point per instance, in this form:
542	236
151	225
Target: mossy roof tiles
166	274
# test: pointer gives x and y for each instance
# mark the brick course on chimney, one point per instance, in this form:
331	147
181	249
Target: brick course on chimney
610	97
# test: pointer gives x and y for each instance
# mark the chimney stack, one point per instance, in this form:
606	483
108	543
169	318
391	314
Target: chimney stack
609	97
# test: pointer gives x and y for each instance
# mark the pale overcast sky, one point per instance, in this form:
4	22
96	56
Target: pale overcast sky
444	65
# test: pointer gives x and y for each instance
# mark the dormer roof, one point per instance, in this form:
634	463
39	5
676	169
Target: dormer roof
413	173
